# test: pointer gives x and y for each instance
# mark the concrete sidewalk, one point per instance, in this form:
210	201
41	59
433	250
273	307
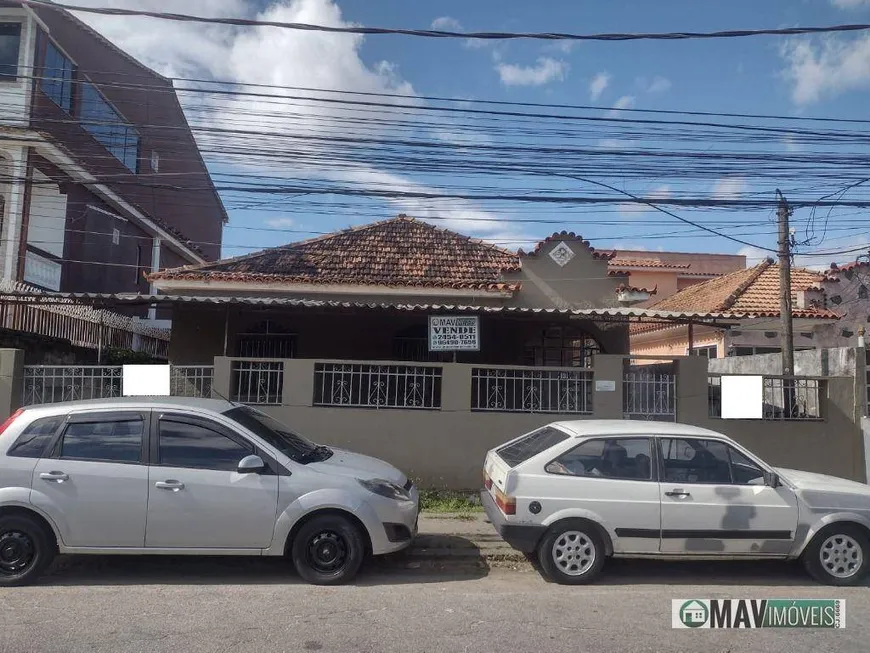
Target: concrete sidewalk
459	540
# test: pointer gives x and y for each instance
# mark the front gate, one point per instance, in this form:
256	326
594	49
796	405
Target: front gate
650	391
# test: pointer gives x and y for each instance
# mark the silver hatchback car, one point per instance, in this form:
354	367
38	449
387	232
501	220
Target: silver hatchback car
190	476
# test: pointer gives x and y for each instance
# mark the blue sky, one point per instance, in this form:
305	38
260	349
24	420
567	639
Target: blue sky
822	76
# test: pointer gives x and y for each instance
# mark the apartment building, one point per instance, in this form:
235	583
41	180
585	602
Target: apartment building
101	180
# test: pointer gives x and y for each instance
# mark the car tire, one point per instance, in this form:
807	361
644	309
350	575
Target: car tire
839	554
572	553
26	549
328	550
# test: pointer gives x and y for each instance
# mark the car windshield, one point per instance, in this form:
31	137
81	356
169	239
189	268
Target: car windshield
292	445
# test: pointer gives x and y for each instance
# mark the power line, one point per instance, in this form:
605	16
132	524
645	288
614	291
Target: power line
429	33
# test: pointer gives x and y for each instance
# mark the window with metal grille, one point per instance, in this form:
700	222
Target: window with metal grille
267	339
562	347
412	344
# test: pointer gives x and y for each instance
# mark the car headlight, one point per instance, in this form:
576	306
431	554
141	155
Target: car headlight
386	489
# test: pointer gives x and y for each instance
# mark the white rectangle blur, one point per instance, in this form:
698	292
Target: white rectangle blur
742	397
146	380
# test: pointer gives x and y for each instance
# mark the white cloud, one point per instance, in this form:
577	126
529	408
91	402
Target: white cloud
279	223
625	102
729	188
281	57
818	70
598	84
790	144
633	208
447	24
659	84
544	71
850	4
565	47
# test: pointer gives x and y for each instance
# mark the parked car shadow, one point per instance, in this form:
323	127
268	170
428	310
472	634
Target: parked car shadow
454	559
620	571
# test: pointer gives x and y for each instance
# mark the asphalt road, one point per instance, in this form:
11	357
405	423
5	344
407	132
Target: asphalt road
187	605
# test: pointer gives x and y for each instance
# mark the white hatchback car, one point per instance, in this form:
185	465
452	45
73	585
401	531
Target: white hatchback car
190	476
578	492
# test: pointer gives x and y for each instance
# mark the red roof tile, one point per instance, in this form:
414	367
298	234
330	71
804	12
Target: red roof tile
754	291
401	251
646	263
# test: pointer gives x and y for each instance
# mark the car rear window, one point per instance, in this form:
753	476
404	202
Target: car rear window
35	437
531	445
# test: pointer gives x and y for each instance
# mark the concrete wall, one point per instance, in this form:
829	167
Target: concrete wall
837	361
447	447
833	446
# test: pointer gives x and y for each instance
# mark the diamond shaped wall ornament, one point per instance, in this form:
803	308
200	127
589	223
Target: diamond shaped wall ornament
561	254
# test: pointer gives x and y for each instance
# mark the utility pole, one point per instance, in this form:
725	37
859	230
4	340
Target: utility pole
783	212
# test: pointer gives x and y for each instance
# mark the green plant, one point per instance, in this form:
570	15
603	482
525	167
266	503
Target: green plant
441	500
114	356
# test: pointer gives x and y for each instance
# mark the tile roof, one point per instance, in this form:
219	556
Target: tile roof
618	262
568	236
401	251
754	290
629	288
130	299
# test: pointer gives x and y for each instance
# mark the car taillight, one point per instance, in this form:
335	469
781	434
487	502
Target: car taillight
487	481
508	505
5	425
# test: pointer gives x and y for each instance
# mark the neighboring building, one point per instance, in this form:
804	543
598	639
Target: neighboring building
753	291
669	272
100	177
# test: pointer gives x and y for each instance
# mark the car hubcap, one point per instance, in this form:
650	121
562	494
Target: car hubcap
573	553
841	556
16	552
327	552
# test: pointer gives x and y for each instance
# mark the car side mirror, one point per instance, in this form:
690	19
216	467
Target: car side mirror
771	479
251	465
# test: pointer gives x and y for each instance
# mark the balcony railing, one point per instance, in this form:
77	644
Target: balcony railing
257	382
531	390
783	398
191	380
364	385
47	384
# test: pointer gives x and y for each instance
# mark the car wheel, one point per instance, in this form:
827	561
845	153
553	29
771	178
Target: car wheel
838	555
328	550
572	553
25	550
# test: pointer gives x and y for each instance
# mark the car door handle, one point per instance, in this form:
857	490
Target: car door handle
175	486
57	477
677	493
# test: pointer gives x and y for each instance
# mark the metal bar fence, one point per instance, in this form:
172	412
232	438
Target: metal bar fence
650	396
191	380
783	398
531	391
257	382
364	385
46	384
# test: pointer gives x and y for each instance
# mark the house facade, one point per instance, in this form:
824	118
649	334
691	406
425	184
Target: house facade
100	177
367	293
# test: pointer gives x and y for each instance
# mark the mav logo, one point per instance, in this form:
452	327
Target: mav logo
758	613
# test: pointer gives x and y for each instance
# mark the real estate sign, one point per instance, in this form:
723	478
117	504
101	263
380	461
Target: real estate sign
454	333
